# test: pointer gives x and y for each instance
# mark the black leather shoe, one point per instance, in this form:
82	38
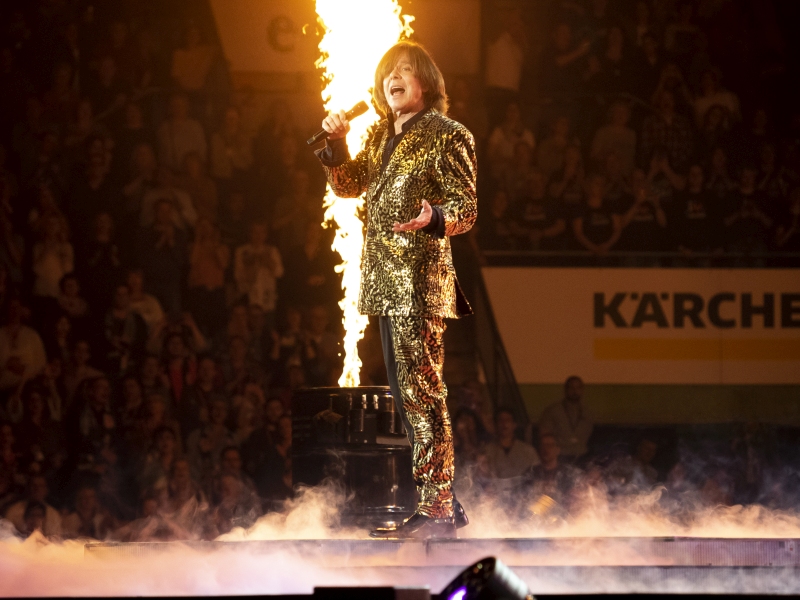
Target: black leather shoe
418	527
459	516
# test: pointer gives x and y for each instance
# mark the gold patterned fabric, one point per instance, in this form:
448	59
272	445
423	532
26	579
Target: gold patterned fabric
419	357
409	278
411	273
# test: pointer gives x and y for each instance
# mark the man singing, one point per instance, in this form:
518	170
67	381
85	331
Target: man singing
418	170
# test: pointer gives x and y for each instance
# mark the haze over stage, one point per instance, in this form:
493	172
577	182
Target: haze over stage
548	565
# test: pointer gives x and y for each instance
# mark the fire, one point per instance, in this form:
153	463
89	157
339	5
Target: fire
357	34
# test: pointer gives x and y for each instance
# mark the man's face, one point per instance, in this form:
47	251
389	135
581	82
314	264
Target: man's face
165	443
548	448
122	298
181	472
135	282
574	390
318	320
86	500
218	412
102	394
506	425
232	462
274	411
229	488
82	353
402	89
646	451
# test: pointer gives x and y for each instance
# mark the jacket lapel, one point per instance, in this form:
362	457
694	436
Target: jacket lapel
397	156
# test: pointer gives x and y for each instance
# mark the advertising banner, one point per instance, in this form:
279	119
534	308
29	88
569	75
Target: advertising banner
651	326
266	36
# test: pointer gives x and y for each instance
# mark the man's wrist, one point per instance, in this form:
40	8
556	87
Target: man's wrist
436	225
334	153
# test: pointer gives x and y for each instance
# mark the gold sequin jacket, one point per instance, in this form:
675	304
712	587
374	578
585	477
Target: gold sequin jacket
411	273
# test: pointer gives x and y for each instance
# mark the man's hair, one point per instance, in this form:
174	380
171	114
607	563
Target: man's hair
572	378
429	75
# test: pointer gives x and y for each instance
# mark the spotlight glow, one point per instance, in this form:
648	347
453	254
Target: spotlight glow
459	594
357	34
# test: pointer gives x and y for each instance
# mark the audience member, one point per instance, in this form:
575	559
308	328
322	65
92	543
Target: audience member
569	421
162	252
180	135
208	261
508	457
504	138
36	495
257	267
623	140
22	354
597	227
552	477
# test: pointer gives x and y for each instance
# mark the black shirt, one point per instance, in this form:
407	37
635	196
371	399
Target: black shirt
541	214
598	224
697	224
643	233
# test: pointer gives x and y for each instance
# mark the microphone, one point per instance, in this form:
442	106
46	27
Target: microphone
357	110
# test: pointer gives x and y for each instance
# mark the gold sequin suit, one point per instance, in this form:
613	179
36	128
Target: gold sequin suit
409	276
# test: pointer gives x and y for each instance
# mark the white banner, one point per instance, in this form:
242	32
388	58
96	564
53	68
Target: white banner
655	326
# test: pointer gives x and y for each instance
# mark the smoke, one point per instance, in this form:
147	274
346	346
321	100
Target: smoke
284	553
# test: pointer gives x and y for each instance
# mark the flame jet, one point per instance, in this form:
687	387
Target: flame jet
357	34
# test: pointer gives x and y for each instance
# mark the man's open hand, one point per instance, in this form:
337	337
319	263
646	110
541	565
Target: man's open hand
418	222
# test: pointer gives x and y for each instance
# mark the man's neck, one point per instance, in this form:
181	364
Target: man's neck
402	117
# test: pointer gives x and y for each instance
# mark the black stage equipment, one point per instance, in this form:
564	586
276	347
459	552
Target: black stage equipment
354	438
487	579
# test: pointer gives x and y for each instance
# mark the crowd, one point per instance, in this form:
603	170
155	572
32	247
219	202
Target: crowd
164	279
165	284
553	470
651	127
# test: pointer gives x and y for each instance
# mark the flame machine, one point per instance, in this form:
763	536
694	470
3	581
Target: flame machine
353	438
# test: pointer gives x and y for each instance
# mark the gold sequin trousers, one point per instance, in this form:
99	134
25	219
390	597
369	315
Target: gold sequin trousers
418	345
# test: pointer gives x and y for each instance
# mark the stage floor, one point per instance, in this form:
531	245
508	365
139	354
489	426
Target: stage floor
548	565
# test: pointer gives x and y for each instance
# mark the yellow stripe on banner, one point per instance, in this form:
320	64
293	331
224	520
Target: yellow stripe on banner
696	349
